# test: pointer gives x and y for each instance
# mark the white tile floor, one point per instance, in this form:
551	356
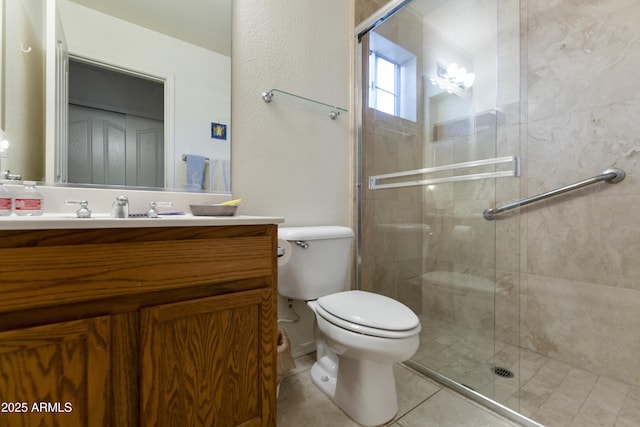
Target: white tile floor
551	392
421	403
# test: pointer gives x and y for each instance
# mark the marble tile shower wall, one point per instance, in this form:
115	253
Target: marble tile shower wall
580	253
568	267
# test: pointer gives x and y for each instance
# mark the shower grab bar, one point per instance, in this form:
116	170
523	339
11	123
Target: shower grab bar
515	171
612	176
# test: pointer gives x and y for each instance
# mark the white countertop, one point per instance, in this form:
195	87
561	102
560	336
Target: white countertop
59	215
70	221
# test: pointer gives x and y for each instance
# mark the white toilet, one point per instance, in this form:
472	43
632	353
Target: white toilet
359	335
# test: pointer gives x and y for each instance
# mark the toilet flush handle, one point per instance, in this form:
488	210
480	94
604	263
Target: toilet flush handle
303	244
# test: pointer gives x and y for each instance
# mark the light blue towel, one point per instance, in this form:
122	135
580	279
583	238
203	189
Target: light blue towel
195	171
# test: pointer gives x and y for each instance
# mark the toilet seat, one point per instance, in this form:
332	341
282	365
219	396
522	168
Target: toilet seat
368	313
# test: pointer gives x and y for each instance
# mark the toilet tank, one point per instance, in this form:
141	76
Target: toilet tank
318	261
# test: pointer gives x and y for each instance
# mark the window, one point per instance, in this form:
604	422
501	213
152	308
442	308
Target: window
384	84
392	78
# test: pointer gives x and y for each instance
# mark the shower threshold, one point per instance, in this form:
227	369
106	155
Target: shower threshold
468	392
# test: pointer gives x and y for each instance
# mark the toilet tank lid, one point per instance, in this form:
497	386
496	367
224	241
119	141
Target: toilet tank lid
317	232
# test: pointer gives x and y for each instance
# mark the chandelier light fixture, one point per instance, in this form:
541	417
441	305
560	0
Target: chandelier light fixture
453	78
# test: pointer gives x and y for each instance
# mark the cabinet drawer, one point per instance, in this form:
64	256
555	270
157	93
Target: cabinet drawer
37	276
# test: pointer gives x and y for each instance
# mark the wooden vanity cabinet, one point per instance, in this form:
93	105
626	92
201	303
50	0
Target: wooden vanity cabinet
56	375
170	326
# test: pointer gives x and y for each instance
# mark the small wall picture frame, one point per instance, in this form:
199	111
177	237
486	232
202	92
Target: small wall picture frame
218	131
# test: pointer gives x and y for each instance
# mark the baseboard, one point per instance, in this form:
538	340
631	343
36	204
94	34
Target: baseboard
303	349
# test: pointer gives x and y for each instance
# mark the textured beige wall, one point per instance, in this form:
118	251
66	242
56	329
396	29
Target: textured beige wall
290	159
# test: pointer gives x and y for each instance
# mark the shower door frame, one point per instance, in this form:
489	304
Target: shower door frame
381	15
361	30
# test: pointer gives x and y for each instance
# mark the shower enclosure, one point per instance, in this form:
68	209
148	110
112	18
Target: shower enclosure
466	105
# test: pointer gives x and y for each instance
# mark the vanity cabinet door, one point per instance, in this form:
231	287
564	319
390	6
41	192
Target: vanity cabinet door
56	375
210	362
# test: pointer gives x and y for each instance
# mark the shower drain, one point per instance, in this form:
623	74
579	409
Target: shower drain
502	372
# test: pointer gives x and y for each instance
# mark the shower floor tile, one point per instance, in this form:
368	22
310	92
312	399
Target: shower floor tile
549	391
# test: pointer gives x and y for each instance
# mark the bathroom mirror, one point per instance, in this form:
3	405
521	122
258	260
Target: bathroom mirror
185	47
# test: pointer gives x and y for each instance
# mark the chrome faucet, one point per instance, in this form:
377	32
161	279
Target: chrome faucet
83	211
153	208
120	208
11	176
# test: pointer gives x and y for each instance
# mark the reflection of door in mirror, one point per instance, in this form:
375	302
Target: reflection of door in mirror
116	127
114	149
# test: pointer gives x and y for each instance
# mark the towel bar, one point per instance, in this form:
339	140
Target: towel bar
184	158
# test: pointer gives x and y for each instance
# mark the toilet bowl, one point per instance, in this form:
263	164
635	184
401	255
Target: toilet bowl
359	335
355	360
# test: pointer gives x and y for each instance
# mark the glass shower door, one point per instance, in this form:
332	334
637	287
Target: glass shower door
439	144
